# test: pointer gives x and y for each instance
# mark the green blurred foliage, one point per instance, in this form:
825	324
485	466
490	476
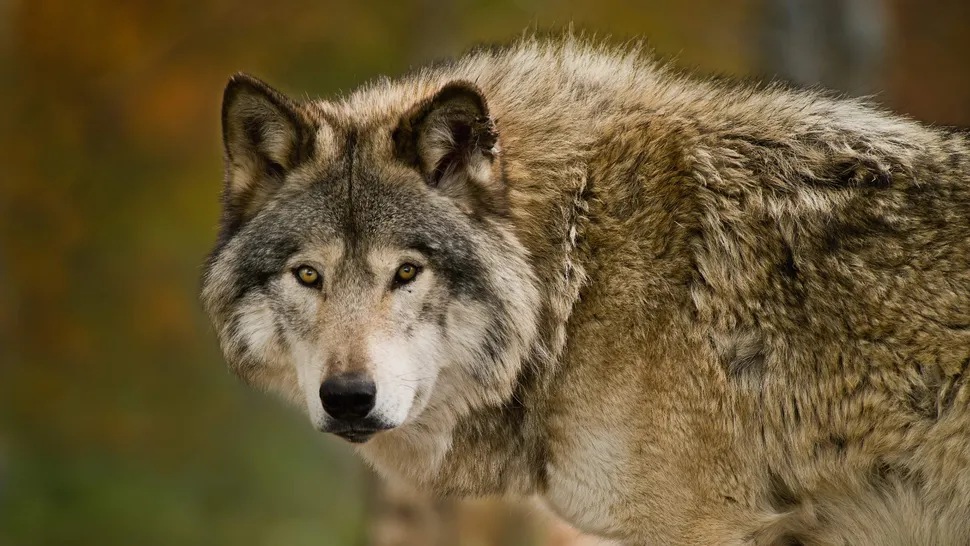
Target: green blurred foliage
118	421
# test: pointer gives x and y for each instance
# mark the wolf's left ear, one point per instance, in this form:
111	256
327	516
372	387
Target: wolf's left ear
452	140
265	134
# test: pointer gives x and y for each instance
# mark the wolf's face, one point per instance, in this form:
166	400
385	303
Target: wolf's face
366	267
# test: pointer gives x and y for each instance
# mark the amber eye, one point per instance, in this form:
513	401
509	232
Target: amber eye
405	274
307	276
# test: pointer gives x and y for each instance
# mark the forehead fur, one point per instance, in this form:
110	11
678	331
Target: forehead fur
362	199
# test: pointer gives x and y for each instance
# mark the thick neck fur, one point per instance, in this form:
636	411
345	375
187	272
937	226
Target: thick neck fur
573	192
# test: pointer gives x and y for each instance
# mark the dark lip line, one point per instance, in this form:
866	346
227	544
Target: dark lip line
357	431
357	436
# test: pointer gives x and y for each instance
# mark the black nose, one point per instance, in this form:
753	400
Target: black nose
347	397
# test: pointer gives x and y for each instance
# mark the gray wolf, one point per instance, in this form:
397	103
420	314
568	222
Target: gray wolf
678	310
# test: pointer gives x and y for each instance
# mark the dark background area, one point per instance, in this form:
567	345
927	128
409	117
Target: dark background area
119	423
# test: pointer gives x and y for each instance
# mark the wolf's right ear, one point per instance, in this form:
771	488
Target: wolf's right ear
265	134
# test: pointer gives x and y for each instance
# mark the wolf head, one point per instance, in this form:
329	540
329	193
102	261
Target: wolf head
366	266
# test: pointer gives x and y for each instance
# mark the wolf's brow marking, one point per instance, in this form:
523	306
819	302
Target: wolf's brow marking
351	151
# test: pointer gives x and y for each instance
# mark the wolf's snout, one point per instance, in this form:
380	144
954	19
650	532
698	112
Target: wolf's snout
348	397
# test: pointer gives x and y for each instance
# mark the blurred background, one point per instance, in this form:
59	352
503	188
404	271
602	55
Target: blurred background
119	423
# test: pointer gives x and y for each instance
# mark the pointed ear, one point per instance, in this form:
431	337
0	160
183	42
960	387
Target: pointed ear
453	141
265	134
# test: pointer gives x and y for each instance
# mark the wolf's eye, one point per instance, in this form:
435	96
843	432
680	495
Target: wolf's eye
405	274
307	276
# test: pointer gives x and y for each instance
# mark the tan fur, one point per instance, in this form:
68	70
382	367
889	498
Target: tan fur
754	317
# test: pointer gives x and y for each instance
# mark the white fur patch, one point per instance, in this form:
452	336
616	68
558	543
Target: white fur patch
257	328
582	483
309	372
405	370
